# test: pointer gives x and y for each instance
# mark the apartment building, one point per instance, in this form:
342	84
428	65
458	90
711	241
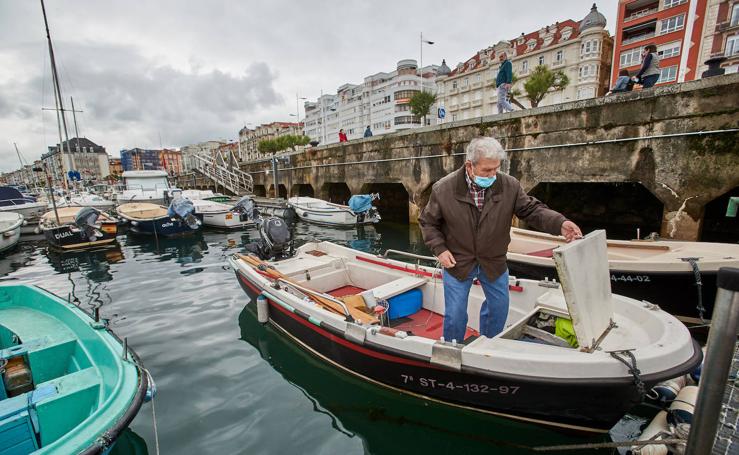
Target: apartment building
675	26
248	146
380	101
721	35
78	154
582	50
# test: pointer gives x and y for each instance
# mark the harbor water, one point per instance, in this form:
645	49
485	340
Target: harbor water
227	384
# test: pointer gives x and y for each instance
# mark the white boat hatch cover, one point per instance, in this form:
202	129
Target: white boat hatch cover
582	266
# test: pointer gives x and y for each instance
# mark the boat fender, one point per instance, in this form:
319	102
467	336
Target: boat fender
666	391
134	223
369	299
355	333
262	309
151	389
37	230
657	429
682	408
447	355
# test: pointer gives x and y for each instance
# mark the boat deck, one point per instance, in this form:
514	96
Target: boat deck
727	436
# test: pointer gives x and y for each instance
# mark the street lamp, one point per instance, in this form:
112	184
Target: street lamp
297	106
420	66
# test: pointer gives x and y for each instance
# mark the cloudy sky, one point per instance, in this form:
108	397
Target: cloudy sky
187	71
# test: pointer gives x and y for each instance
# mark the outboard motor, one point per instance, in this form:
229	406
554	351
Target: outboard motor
85	221
184	209
246	209
276	240
361	205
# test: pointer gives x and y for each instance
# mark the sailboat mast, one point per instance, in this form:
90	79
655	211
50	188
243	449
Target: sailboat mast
58	96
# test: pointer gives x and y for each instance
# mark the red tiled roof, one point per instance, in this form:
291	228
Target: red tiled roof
475	61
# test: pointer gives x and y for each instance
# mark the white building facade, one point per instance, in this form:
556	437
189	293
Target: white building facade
381	102
581	50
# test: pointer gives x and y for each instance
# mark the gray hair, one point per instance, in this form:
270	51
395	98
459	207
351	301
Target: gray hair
485	147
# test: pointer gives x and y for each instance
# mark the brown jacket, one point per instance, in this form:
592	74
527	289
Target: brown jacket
451	221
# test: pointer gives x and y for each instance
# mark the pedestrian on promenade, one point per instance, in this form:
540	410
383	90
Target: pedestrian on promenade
368	132
623	83
503	81
342	136
650	70
467	223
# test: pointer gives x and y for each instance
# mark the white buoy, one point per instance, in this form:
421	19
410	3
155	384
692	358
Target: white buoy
656	426
682	408
262	309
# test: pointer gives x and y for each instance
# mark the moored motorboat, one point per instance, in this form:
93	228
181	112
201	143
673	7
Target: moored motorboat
74	228
659	271
326	297
225	216
69	384
146	218
144	186
323	212
278	207
11	200
85	199
10	230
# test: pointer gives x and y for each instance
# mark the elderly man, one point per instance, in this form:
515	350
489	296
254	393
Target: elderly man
467	223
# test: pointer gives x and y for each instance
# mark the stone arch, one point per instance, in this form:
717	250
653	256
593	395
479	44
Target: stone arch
336	192
260	191
717	227
282	191
618	207
393	202
302	189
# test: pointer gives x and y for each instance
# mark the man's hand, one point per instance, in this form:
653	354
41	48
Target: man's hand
570	231
508	86
447	260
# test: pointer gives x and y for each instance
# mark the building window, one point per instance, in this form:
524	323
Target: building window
669	50
735	14
454	84
732	46
588	71
559	56
667	74
525	66
587	92
464	82
589	46
671	3
531	44
631	57
541	60
478	78
672	24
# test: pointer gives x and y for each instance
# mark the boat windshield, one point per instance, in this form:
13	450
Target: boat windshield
146	183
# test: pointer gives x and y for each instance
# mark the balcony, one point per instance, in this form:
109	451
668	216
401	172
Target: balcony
476	85
636	38
639	14
453	107
558	63
476	103
453	91
465	105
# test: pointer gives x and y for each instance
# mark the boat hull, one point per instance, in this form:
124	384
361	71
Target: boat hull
66	237
226	220
334	218
9	239
163	226
674	292
575	404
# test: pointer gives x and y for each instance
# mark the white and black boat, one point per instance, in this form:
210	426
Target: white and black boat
11	200
10	230
225	216
359	211
77	228
153	219
335	303
678	276
85	199
145	186
279	207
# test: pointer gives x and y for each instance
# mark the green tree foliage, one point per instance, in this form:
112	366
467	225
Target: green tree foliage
281	143
420	104
541	81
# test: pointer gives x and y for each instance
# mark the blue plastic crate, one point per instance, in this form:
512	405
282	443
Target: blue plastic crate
405	304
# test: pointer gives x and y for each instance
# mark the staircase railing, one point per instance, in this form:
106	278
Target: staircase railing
223	173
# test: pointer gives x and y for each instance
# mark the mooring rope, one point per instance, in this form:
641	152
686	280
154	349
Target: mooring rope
699	285
153	412
633	370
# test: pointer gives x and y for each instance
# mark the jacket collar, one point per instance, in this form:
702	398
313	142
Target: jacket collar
462	191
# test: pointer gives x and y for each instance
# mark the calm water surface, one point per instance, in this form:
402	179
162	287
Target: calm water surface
227	384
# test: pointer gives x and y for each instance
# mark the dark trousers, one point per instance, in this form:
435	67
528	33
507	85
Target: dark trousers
649	81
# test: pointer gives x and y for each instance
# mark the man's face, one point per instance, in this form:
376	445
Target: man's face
502	57
485	167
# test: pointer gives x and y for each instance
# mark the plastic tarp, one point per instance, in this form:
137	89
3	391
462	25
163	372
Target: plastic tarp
360	203
180	207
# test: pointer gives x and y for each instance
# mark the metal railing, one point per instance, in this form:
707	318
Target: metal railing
227	175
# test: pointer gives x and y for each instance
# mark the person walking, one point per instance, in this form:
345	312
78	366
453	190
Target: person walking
368	132
649	72
503	81
342	136
467	223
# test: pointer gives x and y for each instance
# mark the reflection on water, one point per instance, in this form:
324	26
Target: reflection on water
219	394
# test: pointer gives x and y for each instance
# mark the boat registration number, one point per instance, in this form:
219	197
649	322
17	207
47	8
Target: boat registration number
631	278
451	385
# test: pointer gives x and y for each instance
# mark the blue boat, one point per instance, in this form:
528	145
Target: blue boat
153	219
68	384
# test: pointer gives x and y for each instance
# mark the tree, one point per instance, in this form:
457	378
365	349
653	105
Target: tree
280	143
541	81
420	104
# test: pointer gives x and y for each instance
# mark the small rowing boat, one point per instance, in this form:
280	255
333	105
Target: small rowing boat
327	213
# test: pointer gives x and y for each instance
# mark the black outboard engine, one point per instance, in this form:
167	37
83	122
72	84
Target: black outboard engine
246	209
85	221
276	240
